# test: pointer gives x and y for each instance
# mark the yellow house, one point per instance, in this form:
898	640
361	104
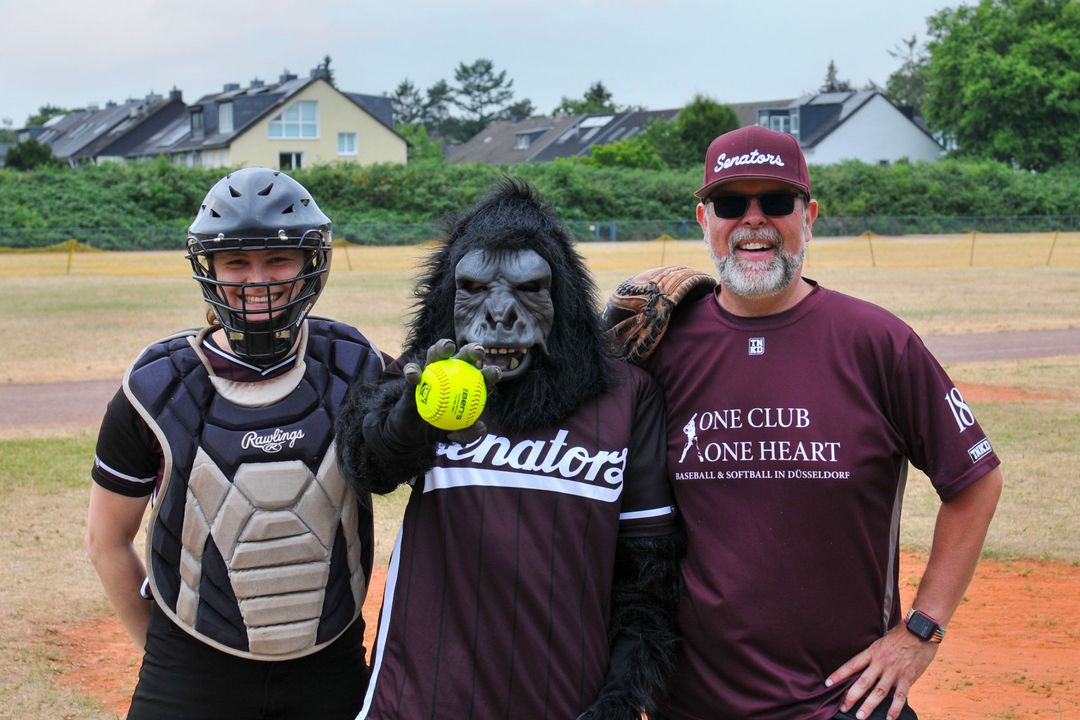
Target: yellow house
295	123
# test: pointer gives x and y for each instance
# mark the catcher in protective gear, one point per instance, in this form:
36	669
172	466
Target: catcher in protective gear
258	556
640	308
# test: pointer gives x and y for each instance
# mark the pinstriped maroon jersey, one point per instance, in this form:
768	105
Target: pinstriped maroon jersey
498	595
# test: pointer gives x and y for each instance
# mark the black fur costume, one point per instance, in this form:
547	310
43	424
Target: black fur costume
646	585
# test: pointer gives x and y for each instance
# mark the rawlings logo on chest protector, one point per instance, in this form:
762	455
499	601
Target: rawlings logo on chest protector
272	442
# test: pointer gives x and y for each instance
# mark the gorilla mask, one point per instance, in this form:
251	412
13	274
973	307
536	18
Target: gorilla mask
503	301
508	277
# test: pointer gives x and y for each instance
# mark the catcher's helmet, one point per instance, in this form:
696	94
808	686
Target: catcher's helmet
258	209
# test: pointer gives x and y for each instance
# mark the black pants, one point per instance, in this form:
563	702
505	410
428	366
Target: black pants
182	677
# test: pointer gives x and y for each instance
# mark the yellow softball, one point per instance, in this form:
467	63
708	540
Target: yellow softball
451	394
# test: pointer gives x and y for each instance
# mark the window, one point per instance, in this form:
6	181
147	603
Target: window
290	160
196	120
523	140
346	143
780	123
795	124
225	121
298	121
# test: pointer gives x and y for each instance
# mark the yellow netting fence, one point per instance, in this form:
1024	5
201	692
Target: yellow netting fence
1049	249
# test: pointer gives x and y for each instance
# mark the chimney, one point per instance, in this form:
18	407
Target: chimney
320	72
176	94
286	77
256	83
231	87
109	104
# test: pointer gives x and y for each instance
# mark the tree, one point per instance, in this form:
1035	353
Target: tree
636	152
437	106
832	84
407	103
44	114
30	154
682	142
421	145
907	86
597	99
7	134
1004	80
481	94
518	111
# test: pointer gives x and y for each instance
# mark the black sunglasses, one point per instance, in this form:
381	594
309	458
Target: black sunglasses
773	204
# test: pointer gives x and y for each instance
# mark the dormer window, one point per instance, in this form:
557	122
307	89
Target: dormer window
225	117
523	140
196	121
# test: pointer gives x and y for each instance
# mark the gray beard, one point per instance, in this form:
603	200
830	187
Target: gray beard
755	279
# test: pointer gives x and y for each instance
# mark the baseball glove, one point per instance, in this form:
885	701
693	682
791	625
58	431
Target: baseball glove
639	310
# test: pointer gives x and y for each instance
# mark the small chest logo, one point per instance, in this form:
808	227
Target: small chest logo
271	442
979	450
757	346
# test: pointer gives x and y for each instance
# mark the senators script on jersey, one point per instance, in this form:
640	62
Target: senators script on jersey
497	598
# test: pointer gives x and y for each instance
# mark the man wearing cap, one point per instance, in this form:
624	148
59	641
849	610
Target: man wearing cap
807	406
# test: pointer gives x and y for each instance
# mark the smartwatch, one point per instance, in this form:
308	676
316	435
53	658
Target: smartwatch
923	626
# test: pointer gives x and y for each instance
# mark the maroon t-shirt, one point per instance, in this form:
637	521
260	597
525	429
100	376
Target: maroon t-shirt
787	439
497	597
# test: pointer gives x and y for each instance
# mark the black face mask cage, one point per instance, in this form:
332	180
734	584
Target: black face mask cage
263	341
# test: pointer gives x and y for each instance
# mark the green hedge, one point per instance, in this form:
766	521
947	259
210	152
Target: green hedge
143	204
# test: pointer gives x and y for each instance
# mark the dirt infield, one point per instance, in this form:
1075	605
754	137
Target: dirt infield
1012	650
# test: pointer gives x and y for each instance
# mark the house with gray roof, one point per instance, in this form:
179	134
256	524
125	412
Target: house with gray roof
97	134
542	139
295	122
852	125
143	121
292	123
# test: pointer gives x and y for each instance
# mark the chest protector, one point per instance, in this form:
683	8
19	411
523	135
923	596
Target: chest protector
255	545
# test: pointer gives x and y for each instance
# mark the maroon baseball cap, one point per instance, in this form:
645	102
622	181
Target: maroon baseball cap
754	152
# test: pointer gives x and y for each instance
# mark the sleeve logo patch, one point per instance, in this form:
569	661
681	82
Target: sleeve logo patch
979	450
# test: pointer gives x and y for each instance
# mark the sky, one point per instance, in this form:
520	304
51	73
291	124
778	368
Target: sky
653	53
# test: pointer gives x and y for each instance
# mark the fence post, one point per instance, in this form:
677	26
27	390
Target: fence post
71	253
613	233
971	257
345	246
1052	246
870	242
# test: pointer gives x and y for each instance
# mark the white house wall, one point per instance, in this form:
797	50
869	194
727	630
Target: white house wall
876	132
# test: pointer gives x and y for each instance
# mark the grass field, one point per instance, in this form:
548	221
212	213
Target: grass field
91	323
